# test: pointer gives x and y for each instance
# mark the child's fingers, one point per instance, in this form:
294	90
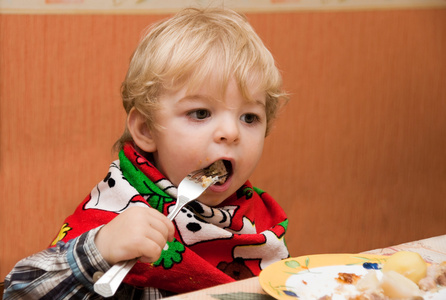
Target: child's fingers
157	232
150	251
154	231
138	231
163	225
147	219
167	223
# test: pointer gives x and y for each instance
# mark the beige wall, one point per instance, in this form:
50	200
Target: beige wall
358	157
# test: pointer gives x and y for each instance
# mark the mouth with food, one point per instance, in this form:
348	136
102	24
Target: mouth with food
221	168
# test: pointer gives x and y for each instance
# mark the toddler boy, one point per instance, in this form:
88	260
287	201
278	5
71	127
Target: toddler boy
201	88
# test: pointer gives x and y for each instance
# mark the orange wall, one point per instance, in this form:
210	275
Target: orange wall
358	157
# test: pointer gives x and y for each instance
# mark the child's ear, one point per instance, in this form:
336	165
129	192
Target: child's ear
141	134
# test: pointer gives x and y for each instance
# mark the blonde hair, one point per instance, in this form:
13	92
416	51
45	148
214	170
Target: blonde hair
186	49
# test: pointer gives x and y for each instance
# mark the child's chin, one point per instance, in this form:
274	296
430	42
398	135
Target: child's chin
214	199
211	201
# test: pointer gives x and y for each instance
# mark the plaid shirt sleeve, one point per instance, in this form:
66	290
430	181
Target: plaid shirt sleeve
66	271
62	272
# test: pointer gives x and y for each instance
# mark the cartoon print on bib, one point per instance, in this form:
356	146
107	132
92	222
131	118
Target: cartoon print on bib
114	193
212	245
209	224
263	252
236	269
62	233
171	254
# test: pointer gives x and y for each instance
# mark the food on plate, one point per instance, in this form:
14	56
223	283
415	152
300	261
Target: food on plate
369	282
395	285
392	285
356	277
348	278
435	277
409	264
400	278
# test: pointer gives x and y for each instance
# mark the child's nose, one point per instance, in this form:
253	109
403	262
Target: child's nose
227	131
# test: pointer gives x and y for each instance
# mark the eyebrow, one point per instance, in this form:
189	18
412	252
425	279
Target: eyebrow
193	97
259	102
196	97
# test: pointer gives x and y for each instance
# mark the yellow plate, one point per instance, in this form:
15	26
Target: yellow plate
295	277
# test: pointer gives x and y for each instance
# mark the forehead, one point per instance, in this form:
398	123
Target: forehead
218	90
216	82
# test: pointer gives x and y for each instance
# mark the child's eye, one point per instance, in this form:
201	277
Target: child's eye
199	114
250	118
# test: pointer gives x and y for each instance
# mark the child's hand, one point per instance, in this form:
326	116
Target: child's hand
138	232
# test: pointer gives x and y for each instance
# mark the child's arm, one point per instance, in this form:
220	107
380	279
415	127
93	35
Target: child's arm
64	271
68	269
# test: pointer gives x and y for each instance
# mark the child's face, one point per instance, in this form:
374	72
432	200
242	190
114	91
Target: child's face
199	128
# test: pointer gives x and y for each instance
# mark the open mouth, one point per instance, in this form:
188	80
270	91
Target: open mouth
221	168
